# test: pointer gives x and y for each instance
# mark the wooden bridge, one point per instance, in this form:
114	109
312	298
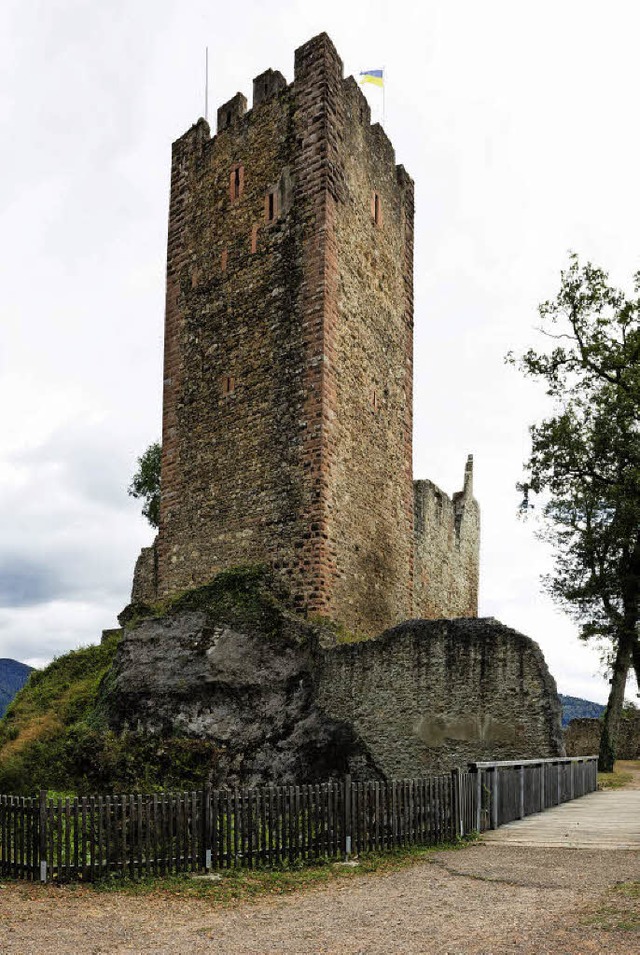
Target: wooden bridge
606	819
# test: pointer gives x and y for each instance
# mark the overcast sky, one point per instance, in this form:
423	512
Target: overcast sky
518	123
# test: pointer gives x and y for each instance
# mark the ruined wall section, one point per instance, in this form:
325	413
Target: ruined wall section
283	703
429	695
447	550
582	737
145	576
370	433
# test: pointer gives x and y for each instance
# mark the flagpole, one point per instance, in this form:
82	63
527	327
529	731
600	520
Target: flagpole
206	83
384	90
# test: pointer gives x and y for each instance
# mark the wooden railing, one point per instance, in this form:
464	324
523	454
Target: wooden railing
511	790
134	836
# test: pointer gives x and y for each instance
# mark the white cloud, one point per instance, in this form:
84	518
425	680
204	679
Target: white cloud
518	125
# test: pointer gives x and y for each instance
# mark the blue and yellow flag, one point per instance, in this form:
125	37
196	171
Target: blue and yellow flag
372	76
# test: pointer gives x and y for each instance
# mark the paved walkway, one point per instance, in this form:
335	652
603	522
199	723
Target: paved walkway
601	820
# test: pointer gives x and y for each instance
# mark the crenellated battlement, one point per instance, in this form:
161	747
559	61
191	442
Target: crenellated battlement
314	62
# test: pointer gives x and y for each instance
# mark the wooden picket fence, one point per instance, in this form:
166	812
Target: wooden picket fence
134	836
159	834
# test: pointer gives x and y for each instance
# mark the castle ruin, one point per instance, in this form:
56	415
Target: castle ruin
287	502
287	409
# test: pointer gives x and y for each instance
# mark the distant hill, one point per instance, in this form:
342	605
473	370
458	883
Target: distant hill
574	708
13	676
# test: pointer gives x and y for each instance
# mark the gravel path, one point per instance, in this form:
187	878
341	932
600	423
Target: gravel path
485	899
482	899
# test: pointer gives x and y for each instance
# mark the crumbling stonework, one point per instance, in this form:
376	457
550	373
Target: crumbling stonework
432	694
281	699
447	534
287	411
582	737
145	576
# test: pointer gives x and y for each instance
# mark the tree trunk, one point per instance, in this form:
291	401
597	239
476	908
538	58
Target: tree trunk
612	714
636	661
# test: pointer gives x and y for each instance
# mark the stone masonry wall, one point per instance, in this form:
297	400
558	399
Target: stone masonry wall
447	556
145	576
234	488
582	737
429	695
370	435
287	393
287	406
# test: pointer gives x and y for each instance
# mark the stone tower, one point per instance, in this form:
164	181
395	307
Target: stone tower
287	413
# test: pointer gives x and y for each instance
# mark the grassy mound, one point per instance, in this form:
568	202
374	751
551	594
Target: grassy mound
57	733
55	736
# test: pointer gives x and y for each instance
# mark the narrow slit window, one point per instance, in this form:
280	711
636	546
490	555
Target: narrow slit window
228	385
376	209
271	206
374	399
236	182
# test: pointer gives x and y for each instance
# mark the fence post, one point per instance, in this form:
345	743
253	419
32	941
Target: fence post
456	793
42	827
206	827
478	799
522	792
494	799
558	765
543	801
571	785
347	817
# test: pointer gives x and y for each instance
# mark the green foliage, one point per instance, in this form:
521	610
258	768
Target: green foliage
145	483
56	734
247	596
585	463
55	737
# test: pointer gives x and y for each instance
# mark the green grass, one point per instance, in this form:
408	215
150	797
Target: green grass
245	884
55	736
56	733
42	729
621	910
615	780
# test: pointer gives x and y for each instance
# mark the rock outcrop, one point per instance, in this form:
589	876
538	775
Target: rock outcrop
285	700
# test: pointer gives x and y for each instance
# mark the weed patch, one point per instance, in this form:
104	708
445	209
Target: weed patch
236	885
620	912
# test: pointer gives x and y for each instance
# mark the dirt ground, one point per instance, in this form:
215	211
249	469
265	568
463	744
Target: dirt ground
487	899
483	899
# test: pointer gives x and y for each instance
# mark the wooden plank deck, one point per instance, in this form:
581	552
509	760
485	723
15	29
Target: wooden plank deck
600	820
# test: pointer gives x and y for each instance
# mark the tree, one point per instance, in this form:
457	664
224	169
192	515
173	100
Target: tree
585	463
146	483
